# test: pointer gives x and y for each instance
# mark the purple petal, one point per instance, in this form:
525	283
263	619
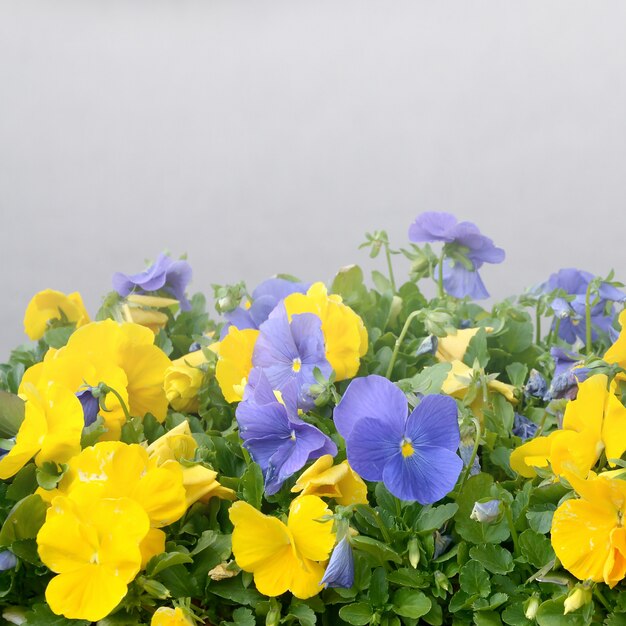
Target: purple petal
260	420
434	423
460	282
428	475
432	226
370	445
240	318
374	397
178	276
340	569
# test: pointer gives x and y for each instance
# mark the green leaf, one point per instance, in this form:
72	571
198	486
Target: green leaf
514	615
11	414
242	617
24	521
429	380
233	589
536	548
409	603
59	336
49	474
379	589
487	618
24	483
303	613
477	350
517	373
409	577
161	562
120	618
358	614
473	580
41	615
252	485
494	558
433	518
550	613
376	548
348	283
540	518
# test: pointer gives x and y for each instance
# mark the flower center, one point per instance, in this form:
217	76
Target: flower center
296	365
406	447
293	435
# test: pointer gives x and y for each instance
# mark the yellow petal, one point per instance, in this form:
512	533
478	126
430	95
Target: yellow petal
166	616
50	305
533	453
257	538
314	539
151	545
614	428
235	362
453	347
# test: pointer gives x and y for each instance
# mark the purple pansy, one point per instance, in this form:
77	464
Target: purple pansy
276	438
90	404
289	351
263	301
572	314
340	569
414	455
164	274
8	560
464	240
567	374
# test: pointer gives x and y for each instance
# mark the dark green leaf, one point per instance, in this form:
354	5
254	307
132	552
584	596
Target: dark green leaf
494	558
357	614
473	579
410	603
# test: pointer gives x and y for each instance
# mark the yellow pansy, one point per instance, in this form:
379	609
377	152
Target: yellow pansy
170	617
594	422
283	557
588	535
183	379
51	430
453	347
92	544
144	310
617	352
235	362
121	355
326	480
345	335
49	305
126	471
200	482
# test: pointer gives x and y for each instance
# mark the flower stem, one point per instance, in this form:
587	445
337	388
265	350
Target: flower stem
603	601
390	266
509	521
538	324
399	341
588	317
108	389
472	458
383	529
440	290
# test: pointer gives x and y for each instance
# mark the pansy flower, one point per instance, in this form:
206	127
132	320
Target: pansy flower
166	616
284	557
92	544
414	455
51	429
594	422
340	569
572	313
53	306
234	361
123	356
617	352
263	301
467	249
588	534
165	274
277	439
345	335
288	352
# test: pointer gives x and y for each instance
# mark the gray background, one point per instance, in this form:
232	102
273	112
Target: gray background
262	137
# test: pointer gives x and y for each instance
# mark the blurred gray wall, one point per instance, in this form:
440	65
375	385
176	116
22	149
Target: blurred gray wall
268	136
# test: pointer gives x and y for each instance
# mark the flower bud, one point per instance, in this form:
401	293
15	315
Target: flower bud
578	597
183	379
531	606
486	512
441	581
414	552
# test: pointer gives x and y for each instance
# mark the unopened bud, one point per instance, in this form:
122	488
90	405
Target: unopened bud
414	553
486	512
578	597
531	607
441	581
